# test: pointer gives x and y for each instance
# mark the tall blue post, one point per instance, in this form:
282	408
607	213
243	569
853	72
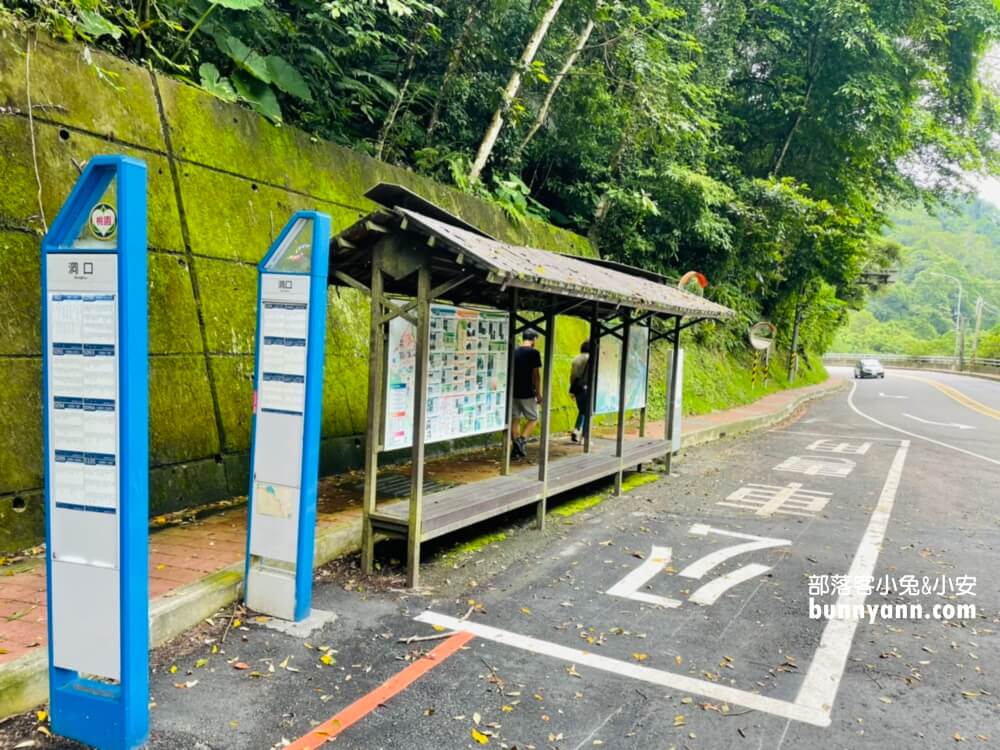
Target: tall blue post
288	407
96	443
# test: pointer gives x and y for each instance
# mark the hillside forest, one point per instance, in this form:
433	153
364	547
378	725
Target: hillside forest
761	142
917	314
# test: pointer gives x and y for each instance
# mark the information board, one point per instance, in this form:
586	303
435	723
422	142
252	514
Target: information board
291	325
95	384
609	371
467	375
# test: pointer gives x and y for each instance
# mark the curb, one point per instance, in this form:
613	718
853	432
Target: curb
761	421
24	683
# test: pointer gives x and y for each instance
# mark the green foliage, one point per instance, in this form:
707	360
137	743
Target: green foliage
760	143
916	315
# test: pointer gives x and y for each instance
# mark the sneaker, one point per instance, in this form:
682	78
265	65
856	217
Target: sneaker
521	446
575	436
516	451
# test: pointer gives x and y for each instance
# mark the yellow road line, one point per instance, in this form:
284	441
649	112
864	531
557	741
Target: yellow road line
956	395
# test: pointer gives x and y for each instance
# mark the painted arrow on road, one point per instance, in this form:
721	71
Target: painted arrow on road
888	395
941	424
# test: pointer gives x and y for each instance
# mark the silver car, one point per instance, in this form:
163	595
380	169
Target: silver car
869	368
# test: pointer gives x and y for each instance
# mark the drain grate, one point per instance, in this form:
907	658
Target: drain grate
391	486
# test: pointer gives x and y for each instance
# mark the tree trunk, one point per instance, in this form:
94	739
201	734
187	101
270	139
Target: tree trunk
513	86
453	66
543	111
791	131
793	355
397	105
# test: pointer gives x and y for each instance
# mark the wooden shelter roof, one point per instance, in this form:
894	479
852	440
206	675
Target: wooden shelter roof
488	268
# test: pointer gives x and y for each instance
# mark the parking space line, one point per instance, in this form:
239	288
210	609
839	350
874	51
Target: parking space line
658	677
711	591
819	689
396	684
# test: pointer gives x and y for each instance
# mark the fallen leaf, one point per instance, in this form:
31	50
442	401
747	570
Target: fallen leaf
173	669
525	611
183	685
640	657
241	665
679	720
476	718
327	659
507	709
200	663
42	715
479	737
884	699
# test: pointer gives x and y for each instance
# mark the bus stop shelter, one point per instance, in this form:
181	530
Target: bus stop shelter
413	258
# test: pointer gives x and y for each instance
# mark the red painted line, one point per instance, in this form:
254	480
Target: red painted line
396	684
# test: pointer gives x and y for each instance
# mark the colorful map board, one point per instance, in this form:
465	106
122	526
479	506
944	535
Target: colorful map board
467	376
609	369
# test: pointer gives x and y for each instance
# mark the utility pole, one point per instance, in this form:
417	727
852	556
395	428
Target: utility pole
961	346
793	355
980	303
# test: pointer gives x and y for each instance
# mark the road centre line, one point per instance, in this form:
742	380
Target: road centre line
856	410
815	699
658	677
819	689
956	395
396	684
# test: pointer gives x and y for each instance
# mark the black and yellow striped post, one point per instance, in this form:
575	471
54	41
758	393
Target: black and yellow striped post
767	364
753	370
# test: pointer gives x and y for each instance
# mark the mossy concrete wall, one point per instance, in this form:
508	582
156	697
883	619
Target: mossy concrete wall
222	182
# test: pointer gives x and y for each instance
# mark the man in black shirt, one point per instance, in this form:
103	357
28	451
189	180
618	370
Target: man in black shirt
527	391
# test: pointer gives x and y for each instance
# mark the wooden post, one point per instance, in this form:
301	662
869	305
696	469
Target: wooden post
595	353
546	417
622	395
373	438
508	422
419	427
668	429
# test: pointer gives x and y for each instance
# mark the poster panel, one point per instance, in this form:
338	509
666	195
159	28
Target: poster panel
467	375
609	367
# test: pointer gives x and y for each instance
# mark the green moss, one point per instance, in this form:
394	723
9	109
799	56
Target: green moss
578	505
181	417
173	318
638	479
121	106
21	425
234	387
473	545
57	160
229	305
20	305
22	521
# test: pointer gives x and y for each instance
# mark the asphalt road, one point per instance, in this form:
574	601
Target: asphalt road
676	616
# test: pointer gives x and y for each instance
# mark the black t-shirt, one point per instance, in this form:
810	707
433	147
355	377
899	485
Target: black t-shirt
526	359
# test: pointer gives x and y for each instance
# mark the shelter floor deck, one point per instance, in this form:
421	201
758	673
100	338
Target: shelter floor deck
458	507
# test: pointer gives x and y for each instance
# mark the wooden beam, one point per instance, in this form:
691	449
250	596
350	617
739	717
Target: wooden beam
375	379
546	426
351	281
509	396
592	359
447	286
622	397
398	311
668	428
419	429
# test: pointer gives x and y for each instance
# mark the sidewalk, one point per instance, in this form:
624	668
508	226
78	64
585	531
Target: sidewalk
196	566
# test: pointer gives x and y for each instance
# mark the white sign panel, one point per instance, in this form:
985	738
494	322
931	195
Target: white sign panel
609	371
467	376
284	327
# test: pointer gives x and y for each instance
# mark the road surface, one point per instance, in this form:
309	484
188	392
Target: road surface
676	616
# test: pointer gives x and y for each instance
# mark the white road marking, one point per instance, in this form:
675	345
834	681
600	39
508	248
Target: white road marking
711	591
661	678
819	688
832	446
886	395
768	499
808	433
628	587
939	424
815	466
856	410
701	566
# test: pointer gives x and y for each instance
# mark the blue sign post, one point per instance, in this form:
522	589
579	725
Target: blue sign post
288	406
96	428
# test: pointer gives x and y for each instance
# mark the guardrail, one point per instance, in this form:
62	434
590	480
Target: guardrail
988	366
